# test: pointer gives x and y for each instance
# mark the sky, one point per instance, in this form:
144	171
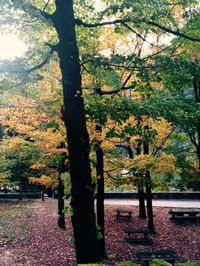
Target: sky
11	47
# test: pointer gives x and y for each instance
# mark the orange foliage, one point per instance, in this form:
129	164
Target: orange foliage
44	180
142	163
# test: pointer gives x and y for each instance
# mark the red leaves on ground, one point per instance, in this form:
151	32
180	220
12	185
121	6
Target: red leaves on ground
184	238
38	241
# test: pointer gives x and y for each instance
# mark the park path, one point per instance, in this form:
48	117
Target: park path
157	203
180	203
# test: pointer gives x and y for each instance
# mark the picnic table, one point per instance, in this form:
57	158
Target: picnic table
183	214
134	235
123	214
166	254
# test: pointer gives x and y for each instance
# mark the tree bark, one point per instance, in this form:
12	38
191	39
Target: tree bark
198	146
42	194
100	201
141	196
49	192
61	204
196	87
20	192
149	195
82	191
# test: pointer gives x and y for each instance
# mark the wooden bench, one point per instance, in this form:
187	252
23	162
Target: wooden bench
166	254
137	232
185	214
123	214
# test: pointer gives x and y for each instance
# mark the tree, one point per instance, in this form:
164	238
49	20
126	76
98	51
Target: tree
82	197
132	132
180	98
61	18
18	156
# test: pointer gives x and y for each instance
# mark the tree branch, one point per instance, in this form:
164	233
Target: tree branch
33	11
192	138
113	177
138	35
156	150
44	62
127	79
116	91
79	22
18	69
46	5
176	33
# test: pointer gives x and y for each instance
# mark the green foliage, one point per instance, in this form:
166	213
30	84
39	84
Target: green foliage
93	264
127	263
158	262
17	161
99	234
197	263
67	184
155	262
174	68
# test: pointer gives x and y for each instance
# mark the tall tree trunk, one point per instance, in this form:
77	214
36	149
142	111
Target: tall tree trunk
149	203
100	201
61	204
141	196
196	86
42	194
49	192
149	194
198	146
20	192
82	191
1	133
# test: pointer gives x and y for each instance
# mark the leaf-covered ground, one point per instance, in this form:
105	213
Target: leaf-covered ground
29	236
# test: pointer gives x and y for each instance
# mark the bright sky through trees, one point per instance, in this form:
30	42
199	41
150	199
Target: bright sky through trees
11	47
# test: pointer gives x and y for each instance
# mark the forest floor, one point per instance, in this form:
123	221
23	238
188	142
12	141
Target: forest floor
29	236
